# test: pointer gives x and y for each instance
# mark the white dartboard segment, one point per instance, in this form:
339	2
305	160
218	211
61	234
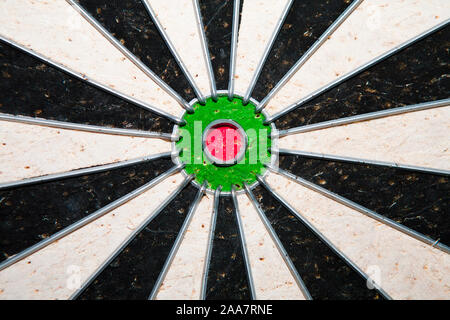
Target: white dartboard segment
415	139
404	267
57	31
271	276
57	271
28	150
258	21
184	278
180	25
375	27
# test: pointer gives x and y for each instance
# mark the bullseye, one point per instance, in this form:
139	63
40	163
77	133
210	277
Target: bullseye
224	142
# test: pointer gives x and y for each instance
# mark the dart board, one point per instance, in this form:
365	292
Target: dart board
224	150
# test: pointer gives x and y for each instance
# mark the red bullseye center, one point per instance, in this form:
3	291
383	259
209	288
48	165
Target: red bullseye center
224	141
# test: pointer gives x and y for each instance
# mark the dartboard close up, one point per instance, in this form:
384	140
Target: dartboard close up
225	149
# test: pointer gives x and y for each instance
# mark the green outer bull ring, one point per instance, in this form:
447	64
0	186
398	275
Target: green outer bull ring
273	148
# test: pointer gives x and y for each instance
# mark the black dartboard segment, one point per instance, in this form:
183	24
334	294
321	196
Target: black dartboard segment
133	273
419	201
415	75
33	213
129	22
227	277
30	87
306	21
325	274
217	16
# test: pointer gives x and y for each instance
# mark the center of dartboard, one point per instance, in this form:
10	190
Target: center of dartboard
224	142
